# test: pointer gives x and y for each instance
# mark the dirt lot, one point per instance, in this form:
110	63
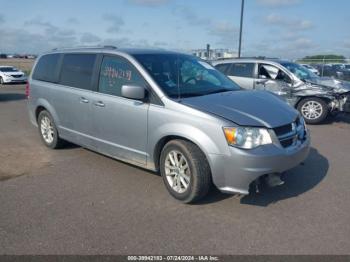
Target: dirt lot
74	201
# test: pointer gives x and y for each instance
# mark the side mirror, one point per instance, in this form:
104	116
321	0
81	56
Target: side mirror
133	92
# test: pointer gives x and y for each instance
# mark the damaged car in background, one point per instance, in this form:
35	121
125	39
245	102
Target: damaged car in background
315	97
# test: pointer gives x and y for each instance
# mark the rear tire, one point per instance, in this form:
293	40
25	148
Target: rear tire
1	81
185	171
314	110
48	131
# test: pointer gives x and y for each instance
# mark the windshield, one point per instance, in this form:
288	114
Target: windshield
8	69
299	71
185	76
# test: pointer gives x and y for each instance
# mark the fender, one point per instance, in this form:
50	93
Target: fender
46	104
188	132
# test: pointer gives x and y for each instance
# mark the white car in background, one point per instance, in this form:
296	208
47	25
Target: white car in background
311	68
10	74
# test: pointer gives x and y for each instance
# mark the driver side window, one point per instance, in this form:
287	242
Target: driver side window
272	73
191	73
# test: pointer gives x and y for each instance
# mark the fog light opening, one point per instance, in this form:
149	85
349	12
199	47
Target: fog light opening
273	180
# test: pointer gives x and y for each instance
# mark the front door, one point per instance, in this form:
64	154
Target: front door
273	79
120	124
73	98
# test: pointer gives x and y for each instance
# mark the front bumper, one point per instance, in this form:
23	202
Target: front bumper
346	106
234	173
10	79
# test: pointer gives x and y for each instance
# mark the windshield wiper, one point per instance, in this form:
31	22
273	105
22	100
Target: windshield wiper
218	91
185	95
190	95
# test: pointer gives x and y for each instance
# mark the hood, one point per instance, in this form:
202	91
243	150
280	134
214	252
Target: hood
17	73
331	84
246	108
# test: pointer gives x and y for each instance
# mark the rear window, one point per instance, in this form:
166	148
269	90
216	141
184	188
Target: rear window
222	68
242	69
77	70
46	68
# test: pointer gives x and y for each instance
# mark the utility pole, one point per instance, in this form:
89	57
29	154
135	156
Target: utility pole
208	51
240	30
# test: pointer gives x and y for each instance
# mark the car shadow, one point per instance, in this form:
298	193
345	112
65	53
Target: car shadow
68	146
213	196
339	118
297	181
6	97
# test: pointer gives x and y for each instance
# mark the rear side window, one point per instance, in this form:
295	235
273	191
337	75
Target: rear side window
77	70
116	72
222	68
47	68
242	69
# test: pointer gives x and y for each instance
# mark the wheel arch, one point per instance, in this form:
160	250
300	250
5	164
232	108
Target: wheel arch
43	104
164	140
38	110
301	98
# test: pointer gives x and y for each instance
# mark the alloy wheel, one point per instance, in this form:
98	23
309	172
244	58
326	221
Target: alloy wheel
47	129
177	171
312	110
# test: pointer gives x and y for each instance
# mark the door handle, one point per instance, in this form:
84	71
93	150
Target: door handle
84	100
100	104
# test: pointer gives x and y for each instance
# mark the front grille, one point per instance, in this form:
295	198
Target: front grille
16	76
288	135
282	130
287	143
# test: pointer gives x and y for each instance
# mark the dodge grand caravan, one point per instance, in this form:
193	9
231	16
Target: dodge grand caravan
167	112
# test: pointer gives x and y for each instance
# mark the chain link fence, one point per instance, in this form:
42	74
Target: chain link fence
335	68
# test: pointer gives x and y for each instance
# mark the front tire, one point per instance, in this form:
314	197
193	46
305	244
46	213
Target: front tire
48	131
1	81
314	110
185	171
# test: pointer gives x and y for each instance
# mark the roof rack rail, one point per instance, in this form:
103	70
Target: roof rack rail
258	57
247	57
86	47
110	47
225	58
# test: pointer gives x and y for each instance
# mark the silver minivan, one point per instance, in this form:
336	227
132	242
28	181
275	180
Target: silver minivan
167	112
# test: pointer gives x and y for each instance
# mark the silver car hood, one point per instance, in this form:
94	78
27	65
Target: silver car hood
246	108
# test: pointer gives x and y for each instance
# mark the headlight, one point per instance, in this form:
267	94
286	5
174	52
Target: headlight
247	137
302	129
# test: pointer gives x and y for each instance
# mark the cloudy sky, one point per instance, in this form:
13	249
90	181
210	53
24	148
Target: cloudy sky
283	28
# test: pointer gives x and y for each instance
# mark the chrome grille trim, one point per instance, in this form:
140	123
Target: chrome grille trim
290	134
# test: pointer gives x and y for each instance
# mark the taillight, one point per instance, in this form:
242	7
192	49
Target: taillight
27	90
